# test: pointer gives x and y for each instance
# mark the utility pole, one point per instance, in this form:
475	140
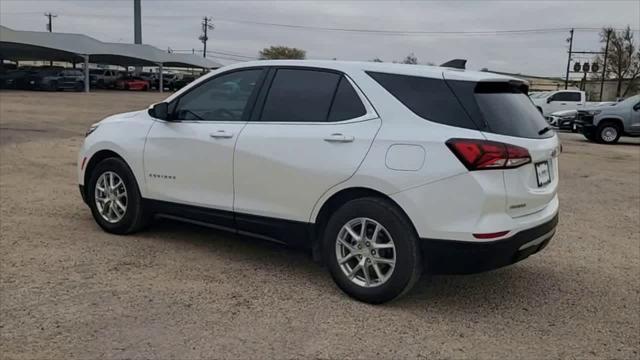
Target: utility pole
137	29
206	25
50	26
137	22
566	79
604	66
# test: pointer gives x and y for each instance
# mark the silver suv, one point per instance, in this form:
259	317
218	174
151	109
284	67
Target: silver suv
607	123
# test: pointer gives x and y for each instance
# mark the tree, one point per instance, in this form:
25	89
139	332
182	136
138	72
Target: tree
282	52
410	59
623	58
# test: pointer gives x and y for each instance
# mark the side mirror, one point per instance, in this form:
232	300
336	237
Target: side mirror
549	99
160	111
636	107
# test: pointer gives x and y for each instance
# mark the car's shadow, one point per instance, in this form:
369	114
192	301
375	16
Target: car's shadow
526	284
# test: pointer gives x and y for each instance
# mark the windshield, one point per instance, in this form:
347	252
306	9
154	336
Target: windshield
629	101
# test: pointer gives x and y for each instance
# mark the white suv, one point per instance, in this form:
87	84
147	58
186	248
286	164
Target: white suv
380	170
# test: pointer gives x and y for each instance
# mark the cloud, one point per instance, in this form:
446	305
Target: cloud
176	24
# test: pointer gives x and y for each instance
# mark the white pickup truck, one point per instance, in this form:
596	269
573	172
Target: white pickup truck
560	100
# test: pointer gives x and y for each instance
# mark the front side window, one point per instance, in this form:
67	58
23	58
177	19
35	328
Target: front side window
223	98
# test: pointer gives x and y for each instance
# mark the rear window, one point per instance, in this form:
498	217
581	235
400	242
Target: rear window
497	107
503	107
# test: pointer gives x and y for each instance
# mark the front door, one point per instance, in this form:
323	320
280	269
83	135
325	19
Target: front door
189	159
313	131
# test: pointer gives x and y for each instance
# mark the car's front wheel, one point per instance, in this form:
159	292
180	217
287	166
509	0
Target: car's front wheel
608	133
114	198
372	250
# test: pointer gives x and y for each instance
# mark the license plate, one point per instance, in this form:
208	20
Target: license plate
542	173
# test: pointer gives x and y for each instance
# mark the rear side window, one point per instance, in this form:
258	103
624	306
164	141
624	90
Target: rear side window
428	98
300	95
566	96
346	103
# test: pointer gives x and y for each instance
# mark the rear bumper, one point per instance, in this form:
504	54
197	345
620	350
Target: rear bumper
466	257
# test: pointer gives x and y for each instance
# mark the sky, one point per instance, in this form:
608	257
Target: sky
435	31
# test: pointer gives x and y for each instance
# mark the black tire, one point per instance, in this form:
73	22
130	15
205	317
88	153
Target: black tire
135	217
53	85
604	129
408	264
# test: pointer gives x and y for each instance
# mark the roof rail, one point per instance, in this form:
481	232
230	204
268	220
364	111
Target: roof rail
455	63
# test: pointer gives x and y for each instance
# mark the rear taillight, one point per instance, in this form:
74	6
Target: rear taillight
485	155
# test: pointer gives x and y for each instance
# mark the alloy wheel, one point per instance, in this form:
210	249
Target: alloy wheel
111	197
365	252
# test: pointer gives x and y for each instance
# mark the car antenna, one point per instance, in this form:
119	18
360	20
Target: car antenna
456	64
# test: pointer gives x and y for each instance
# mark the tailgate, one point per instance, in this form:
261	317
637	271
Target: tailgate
531	187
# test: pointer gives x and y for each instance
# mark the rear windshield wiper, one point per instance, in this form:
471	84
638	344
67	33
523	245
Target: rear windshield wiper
544	130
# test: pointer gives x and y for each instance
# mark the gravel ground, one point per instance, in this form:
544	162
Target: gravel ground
69	290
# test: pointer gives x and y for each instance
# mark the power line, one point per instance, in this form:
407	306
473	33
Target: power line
363	30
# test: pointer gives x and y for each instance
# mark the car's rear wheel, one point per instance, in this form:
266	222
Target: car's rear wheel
114	198
372	250
608	133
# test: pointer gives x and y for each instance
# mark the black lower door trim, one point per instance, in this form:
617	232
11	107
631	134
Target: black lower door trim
292	233
216	217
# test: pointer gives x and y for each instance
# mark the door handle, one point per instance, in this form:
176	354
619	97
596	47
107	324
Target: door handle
221	134
337	137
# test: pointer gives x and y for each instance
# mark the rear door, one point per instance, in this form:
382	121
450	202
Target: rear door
310	131
510	117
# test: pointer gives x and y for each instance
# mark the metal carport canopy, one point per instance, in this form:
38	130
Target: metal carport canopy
35	45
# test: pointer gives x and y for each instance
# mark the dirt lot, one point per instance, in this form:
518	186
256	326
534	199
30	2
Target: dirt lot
69	290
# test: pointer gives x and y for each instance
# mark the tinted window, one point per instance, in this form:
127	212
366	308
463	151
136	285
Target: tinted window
223	98
504	108
346	103
300	95
567	96
428	98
